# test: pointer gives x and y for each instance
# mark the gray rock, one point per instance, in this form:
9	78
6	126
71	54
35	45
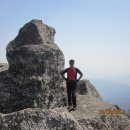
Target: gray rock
35	64
3	67
85	87
33	51
106	122
37	119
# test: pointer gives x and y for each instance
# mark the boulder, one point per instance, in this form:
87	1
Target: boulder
35	64
85	87
37	119
33	51
106	122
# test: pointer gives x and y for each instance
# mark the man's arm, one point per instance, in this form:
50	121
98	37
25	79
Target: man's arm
63	74
80	73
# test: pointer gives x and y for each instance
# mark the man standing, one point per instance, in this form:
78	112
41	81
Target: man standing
71	82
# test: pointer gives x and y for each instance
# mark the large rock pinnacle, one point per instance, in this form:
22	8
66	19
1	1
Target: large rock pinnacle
33	49
35	63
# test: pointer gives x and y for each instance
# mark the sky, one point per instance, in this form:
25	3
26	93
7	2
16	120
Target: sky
96	33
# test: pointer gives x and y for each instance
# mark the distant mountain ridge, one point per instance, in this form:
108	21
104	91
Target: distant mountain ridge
114	92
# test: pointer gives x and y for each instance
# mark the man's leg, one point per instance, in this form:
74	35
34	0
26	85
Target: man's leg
74	94
69	93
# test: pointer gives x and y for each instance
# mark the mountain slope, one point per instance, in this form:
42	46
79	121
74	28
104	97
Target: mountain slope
114	92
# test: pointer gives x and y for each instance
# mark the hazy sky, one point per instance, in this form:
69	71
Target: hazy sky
96	33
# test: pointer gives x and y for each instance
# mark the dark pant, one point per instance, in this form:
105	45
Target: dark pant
71	92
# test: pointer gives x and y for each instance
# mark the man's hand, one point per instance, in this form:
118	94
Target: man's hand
77	80
66	79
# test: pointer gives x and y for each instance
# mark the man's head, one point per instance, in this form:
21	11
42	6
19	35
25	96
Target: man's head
71	62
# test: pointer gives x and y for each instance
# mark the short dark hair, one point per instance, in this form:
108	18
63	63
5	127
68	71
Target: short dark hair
71	61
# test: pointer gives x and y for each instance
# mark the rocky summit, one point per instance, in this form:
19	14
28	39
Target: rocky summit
33	93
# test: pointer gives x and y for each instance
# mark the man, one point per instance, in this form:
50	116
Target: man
71	82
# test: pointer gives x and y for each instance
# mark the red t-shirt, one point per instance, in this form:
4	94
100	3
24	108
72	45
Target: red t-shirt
72	73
